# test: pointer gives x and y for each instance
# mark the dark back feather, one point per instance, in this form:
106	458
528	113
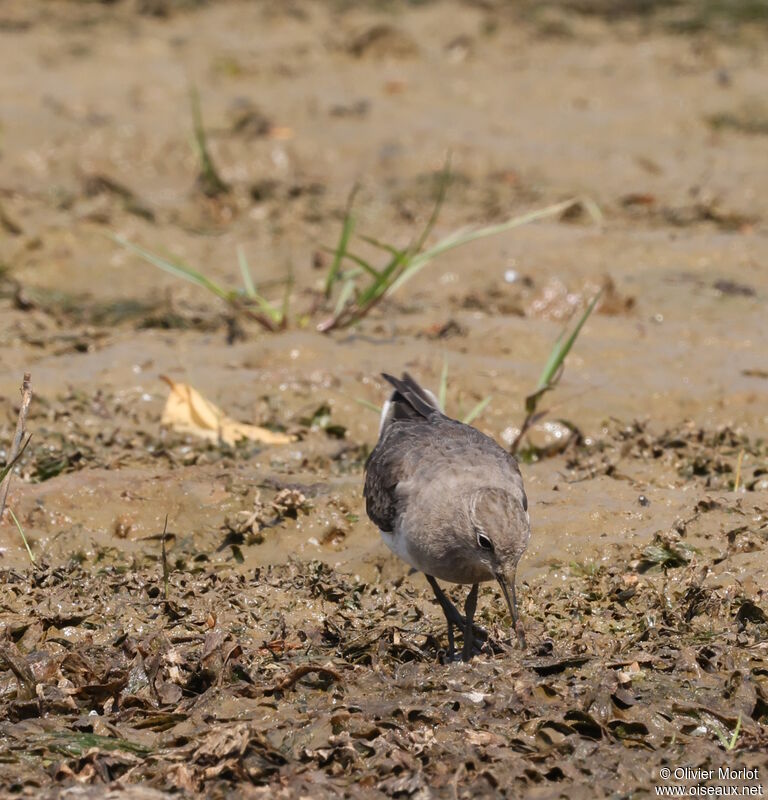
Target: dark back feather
416	437
408	401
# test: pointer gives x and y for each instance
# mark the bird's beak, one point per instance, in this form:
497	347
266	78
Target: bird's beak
506	580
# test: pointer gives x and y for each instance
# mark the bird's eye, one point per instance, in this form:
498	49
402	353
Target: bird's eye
484	542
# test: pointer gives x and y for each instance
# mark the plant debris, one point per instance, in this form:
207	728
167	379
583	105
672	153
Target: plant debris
187	411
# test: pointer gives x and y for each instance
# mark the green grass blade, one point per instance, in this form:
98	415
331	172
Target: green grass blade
384	281
735	735
347	290
389	248
245	271
275	314
23	537
399	262
364	265
477	410
402	259
459	238
349	272
443	181
346	232
465	237
563	347
367	404
729	743
176	269
442	394
210	181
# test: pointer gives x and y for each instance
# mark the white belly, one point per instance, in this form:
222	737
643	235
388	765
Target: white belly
398	544
447	571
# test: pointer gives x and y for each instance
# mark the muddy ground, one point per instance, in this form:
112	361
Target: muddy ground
286	653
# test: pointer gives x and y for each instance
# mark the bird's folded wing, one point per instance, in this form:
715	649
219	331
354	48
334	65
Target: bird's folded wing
385	467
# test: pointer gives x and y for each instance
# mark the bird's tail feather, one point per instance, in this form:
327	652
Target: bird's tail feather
408	401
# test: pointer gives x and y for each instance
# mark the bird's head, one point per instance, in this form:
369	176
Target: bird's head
501	529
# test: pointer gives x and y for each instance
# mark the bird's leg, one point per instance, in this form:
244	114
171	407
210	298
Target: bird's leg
469	609
519	630
451	642
449	609
452	615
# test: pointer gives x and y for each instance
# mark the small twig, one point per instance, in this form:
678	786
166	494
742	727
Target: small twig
26	399
307	669
280	647
165	559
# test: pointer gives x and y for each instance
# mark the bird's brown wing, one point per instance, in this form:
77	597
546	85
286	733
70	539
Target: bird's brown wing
431	449
387	465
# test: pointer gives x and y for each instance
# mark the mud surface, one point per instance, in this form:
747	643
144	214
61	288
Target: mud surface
286	652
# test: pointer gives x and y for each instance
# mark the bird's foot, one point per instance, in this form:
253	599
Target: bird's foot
445	657
460	621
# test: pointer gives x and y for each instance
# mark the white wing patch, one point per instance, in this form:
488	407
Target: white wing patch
384	414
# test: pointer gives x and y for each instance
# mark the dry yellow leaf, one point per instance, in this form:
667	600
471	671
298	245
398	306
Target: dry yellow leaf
187	411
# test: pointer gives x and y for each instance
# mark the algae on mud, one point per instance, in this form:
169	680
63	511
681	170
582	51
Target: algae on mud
297	674
644	588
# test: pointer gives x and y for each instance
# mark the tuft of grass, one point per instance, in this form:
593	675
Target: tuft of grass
729	743
278	315
247	302
556	361
362	285
355	302
552	372
353	285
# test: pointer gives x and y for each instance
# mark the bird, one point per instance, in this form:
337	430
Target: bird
450	502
